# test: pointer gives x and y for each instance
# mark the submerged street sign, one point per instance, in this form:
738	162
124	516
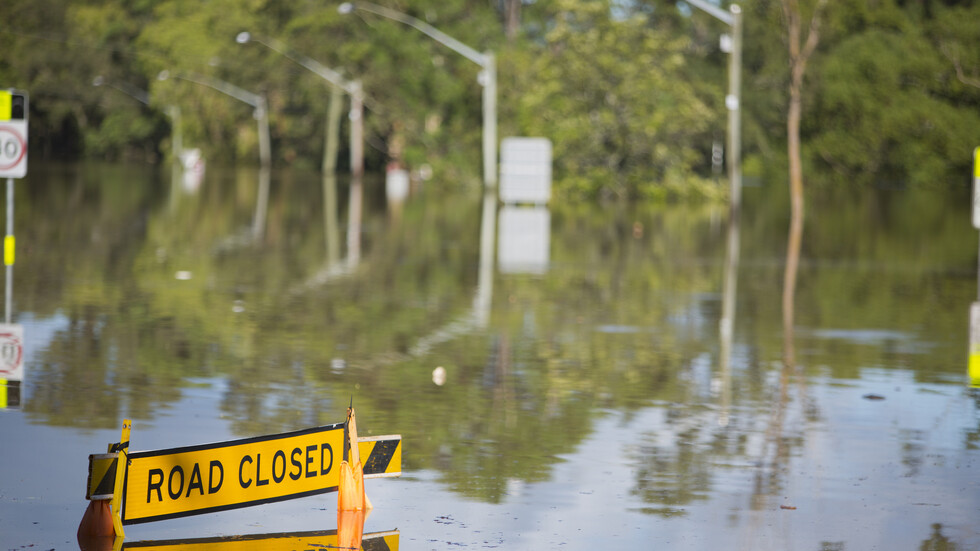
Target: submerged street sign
178	482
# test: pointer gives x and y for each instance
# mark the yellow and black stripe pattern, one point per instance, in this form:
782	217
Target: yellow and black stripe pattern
101	475
384	456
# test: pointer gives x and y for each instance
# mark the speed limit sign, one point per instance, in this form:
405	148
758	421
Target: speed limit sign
13	134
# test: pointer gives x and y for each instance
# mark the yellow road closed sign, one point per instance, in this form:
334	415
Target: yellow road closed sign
378	541
178	482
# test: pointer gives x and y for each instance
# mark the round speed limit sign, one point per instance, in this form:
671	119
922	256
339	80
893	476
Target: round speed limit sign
11	352
13	149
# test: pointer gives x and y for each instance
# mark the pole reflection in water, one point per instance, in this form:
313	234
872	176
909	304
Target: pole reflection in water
479	317
484	282
727	324
355	214
330	222
334	267
330	176
777	443
261	205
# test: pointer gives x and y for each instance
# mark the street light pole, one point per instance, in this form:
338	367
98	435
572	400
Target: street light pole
735	109
351	87
257	102
488	76
732	18
143	97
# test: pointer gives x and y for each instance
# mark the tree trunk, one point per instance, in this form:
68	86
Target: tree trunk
796	218
798	56
512	18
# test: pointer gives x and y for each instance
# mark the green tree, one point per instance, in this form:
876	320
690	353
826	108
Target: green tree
615	95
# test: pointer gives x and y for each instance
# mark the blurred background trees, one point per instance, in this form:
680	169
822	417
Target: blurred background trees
630	92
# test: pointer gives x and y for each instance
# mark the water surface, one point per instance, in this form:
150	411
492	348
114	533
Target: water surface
587	398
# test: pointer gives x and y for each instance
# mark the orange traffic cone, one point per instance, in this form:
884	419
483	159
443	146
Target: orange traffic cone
95	532
350	493
350	529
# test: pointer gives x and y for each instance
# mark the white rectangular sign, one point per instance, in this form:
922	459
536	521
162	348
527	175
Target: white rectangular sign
525	170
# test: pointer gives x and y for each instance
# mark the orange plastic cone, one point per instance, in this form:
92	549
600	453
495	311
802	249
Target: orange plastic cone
350	529
95	532
350	492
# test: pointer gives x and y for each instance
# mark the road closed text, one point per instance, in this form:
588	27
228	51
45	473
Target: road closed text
178	482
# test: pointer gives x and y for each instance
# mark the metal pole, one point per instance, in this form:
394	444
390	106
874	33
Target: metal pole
485	61
177	138
265	149
336	80
490	121
8	253
733	102
332	138
356	131
261	205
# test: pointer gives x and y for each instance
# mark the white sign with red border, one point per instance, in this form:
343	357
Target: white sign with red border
11	352
13	149
13	133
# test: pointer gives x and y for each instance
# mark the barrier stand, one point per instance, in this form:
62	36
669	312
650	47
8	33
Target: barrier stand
101	526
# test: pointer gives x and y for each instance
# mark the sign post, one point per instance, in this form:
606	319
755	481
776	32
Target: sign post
13	164
973	368
976	188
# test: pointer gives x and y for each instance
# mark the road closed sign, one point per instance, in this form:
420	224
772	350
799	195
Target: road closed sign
13	134
178	482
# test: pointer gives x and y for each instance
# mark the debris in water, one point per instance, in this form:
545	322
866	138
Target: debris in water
439	376
873	397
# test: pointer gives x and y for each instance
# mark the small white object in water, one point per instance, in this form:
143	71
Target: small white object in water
439	376
183	275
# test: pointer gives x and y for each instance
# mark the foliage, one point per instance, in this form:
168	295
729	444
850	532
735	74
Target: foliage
624	129
887	106
631	93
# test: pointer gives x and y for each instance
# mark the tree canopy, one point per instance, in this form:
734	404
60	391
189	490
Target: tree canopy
630	92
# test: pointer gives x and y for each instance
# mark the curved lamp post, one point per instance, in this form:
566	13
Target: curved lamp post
732	18
143	97
351	87
488	76
257	101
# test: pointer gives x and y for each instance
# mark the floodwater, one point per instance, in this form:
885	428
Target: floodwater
567	385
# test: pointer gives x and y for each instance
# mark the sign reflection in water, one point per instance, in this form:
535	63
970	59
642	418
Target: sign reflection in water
609	358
